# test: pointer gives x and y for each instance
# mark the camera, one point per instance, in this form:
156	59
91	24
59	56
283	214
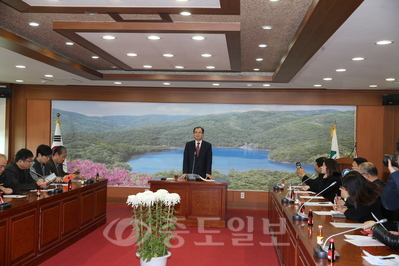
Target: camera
393	158
298	165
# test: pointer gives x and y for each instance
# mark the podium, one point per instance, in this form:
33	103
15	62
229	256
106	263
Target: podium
202	203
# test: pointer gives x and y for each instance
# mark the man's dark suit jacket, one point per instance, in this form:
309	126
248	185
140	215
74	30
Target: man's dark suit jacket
16	182
203	162
57	170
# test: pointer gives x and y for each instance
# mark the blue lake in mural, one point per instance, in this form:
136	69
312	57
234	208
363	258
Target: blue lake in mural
224	160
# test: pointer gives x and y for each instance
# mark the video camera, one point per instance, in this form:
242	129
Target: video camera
393	158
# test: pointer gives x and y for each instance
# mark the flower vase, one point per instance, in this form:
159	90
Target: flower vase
160	261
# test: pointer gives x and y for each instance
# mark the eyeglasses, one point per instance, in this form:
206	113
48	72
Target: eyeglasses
31	161
199	132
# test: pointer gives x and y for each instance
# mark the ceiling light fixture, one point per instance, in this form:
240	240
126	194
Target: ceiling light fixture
273	0
117	83
153	37
249	85
210	67
256	69
69	43
185	13
168	55
95	57
131	54
109	37
166	83
179	66
385	42
206	55
327	79
340	70
91	13
259	59
373	86
262	45
266	85
48	76
20	66
390	79
198	38
358	58
34	24
147	66
19	80
215	84
267	27
317	85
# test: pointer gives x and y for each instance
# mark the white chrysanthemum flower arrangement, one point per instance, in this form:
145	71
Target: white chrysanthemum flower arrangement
154	219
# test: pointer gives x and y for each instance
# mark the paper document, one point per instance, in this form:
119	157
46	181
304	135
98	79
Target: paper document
14	196
300	191
322	212
392	259
362	241
326	203
346	225
309	197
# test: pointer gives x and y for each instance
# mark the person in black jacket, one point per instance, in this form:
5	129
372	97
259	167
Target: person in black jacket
197	158
331	173
3	164
365	196
17	174
312	184
388	238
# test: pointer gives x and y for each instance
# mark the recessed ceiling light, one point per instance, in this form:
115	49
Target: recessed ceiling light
168	55
358	58
20	66
33	24
210	67
206	55
69	43
327	79
48	76
179	66
249	85
215	84
109	37
95	57
262	45
317	85
256	69
153	37
185	13
91	13
114	67
372	86
198	38
19	80
181	0
267	27
259	59
147	66
384	42
117	83
388	79
131	54
273	0
340	70
166	83
266	85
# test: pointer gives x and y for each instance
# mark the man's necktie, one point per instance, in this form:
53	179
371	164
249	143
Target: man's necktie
198	148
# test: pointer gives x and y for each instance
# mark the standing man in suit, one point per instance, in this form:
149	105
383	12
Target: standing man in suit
197	153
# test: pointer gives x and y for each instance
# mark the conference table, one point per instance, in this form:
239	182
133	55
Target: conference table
37	227
294	240
202	203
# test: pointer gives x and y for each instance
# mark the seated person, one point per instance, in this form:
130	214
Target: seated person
3	164
388	238
390	194
312	184
39	168
356	162
365	196
370	172
331	174
17	174
56	162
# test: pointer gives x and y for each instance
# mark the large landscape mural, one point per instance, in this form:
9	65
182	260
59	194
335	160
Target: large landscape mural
253	145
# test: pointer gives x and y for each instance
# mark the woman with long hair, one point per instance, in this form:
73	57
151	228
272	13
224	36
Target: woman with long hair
365	196
332	174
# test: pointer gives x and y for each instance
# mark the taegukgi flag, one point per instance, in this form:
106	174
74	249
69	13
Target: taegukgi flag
334	154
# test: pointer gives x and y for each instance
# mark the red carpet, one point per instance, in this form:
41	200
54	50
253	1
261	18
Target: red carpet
238	244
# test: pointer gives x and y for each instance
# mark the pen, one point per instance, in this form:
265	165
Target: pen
387	258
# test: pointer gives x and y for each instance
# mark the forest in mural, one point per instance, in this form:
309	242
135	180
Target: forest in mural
254	145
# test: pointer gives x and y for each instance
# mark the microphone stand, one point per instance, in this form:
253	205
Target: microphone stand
192	168
287	199
302	217
321	251
277	186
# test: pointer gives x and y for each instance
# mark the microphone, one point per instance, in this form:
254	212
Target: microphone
306	180
277	187
321	251
192	169
288	199
31	170
302	217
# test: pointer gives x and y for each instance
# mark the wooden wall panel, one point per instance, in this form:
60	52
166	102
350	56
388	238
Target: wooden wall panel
38	128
